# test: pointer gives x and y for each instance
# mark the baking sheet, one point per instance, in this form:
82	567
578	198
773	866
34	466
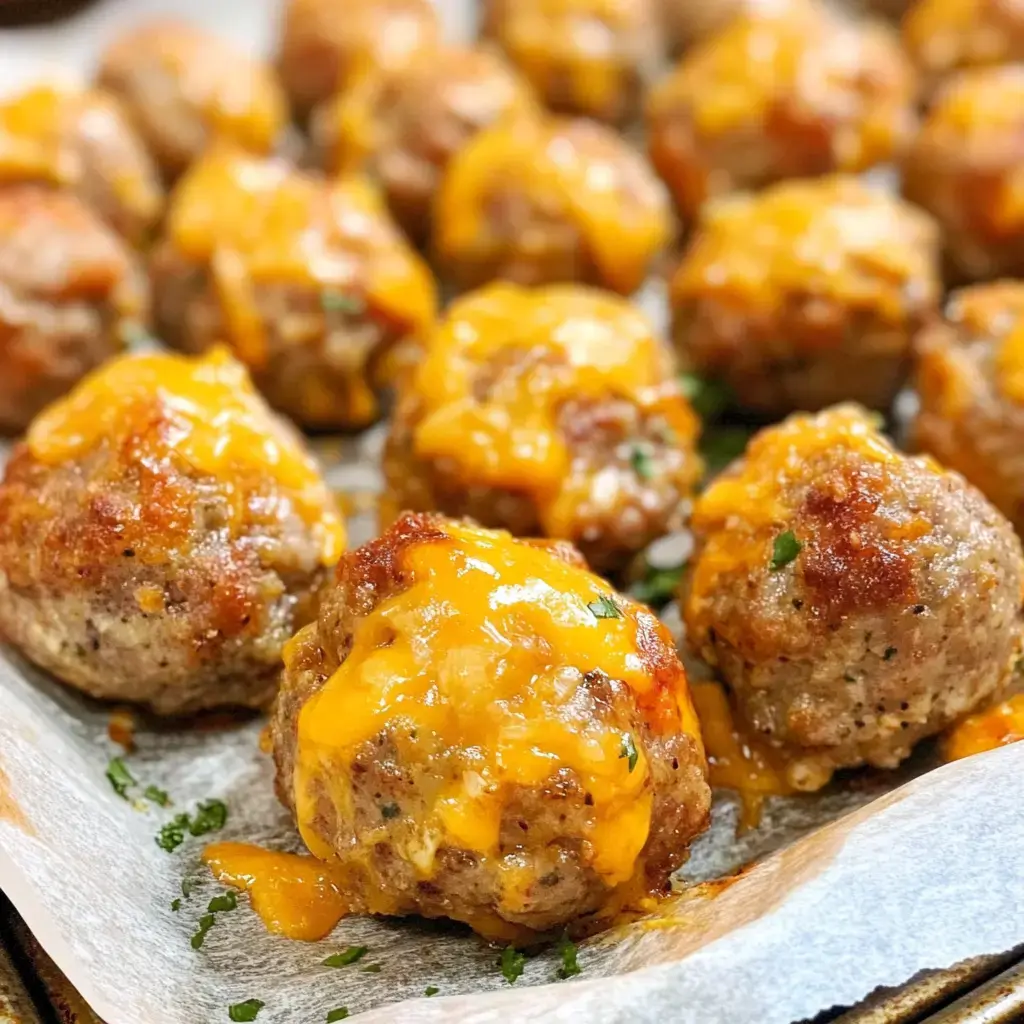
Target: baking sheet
915	878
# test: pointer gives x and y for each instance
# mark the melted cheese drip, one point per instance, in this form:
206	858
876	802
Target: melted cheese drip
987	730
581	344
735	760
294	895
830	237
479	661
1010	363
262	222
218	425
575	167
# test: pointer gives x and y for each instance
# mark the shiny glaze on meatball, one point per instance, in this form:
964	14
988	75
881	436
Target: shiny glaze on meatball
552	411
854	599
478	728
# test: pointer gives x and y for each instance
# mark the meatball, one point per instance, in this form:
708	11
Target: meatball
945	35
542	201
806	294
587	57
964	167
185	87
327	45
553	412
970	379
162	535
403	125
775	95
854	599
307	279
689	21
81	140
478	728
71	293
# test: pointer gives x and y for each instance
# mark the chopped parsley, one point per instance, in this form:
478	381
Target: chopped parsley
629	751
709	398
157	796
890	652
209	817
119	777
431	990
334	301
176	904
604	608
346	956
172	835
785	549
512	963
721	445
389	811
187	885
641	461
567	949
247	1010
341	1013
205	924
225	902
658	586
371	969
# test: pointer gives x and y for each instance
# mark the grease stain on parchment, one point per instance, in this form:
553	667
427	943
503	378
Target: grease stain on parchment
10	809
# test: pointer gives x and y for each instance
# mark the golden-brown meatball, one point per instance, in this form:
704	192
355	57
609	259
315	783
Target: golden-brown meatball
970	379
184	88
161	535
81	140
965	168
327	45
775	95
806	294
687	22
478	728
308	280
403	125
854	599
587	57
537	202
71	294
554	412
945	35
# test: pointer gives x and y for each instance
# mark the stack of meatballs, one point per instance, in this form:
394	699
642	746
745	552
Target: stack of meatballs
204	253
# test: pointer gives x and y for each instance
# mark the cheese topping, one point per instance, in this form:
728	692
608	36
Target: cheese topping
216	423
477	671
571	343
830	237
987	730
575	169
260	222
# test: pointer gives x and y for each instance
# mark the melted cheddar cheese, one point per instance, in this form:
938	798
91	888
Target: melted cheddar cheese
573	343
294	895
995	727
476	671
578	169
216	423
830	237
260	222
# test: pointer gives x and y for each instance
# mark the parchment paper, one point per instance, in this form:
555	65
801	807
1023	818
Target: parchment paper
912	878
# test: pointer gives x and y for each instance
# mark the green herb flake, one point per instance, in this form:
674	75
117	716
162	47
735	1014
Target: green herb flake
172	835
341	1013
658	586
431	990
785	549
334	301
628	750
223	903
205	924
512	963
371	969
642	462
187	886
604	608
890	652
119	777
389	811
209	817
156	796
346	956
176	904
567	950
709	398
247	1010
